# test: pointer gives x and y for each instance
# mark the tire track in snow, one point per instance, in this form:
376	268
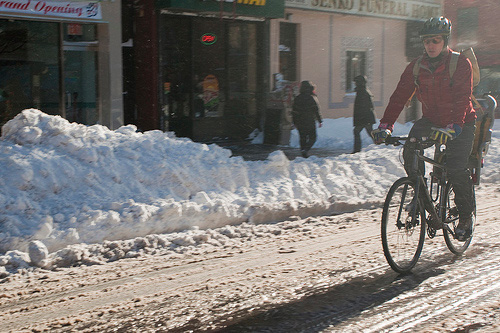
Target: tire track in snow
73	303
422	306
441	284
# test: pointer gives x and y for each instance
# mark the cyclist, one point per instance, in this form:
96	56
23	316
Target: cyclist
448	113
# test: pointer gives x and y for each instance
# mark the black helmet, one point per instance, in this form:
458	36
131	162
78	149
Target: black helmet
436	26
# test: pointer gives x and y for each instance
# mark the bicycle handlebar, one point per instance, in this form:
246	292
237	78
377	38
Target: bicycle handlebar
397	140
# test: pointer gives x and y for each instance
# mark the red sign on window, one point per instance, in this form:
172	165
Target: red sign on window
208	39
75	29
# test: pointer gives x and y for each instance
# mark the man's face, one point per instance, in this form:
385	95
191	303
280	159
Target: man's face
433	45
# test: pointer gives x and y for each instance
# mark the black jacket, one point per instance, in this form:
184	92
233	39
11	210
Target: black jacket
305	111
363	107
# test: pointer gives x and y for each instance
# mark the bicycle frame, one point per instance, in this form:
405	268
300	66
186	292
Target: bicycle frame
411	209
437	219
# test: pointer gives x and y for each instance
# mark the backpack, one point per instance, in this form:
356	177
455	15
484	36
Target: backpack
482	137
476	74
469	54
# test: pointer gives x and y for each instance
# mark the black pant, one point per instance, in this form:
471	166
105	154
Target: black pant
357	135
457	157
307	136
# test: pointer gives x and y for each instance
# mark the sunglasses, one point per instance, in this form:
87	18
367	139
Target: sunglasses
433	40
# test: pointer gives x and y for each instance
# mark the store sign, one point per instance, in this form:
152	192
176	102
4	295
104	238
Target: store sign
252	2
75	10
246	2
401	9
75	29
254	8
208	39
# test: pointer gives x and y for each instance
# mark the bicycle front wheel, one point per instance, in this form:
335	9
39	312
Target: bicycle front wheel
403	226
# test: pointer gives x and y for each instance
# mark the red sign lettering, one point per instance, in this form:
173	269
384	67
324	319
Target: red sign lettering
208	39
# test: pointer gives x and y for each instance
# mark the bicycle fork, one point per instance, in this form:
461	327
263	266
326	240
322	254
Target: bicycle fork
425	201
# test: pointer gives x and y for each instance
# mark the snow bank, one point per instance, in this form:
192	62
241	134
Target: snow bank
67	184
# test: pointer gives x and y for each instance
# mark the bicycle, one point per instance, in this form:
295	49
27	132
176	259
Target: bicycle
413	208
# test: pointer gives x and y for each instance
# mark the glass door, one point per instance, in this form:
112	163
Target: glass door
175	67
80	85
242	68
209	67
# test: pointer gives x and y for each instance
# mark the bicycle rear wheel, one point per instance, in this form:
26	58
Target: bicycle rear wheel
403	228
451	218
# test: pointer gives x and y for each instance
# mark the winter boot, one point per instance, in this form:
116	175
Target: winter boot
464	228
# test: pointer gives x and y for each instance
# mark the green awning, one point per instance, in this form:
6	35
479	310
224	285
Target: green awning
256	8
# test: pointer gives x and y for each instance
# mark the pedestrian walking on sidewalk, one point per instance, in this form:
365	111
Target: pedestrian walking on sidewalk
305	113
363	117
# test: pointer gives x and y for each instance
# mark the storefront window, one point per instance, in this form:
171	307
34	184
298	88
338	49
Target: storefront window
242	68
288	51
355	65
29	67
78	32
210	69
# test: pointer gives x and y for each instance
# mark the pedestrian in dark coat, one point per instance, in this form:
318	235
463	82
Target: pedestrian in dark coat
305	113
363	118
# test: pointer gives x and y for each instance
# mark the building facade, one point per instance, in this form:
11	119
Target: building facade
61	57
200	68
331	42
476	25
209	69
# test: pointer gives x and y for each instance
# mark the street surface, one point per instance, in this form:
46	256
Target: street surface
318	274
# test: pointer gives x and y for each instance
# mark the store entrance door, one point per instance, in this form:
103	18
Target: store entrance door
80	84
